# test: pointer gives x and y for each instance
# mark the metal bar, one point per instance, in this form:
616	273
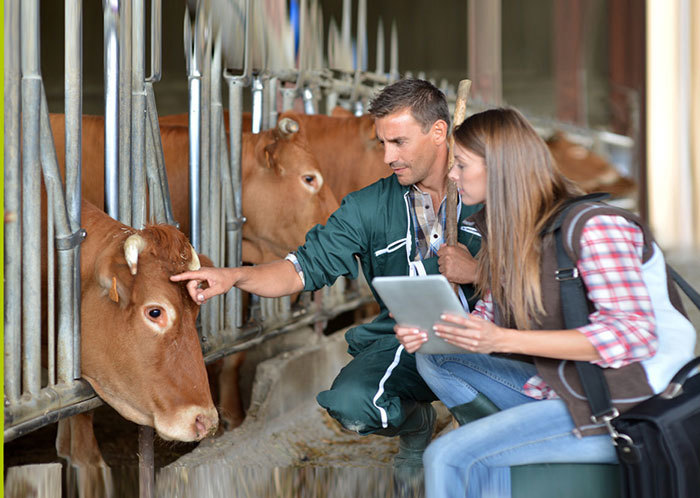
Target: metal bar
235	99
205	153
51	417
272	102
111	82
31	193
138	115
361	43
257	114
124	170
73	146
51	290
52	178
146	465
194	87
156	40
394	54
50	399
156	198
214	236
380	48
12	189
162	174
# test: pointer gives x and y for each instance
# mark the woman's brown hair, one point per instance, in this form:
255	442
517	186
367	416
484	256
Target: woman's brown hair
523	189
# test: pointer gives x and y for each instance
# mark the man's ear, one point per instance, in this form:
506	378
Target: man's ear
439	131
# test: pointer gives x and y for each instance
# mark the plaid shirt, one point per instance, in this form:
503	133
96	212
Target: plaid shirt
429	225
622	327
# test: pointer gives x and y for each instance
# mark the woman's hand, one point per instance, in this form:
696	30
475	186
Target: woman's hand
472	333
457	264
410	337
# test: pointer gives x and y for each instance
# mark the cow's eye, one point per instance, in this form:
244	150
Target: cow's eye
309	179
154	313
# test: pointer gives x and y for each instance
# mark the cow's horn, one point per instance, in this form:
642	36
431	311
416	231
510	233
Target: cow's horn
287	126
194	264
132	248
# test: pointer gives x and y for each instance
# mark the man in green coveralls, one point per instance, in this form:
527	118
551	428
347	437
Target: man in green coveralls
395	227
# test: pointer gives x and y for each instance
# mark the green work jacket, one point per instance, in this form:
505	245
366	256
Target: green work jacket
373	226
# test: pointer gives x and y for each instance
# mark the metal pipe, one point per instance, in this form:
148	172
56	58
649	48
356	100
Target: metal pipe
49	400
12	189
156	40
125	55
50	290
272	102
155	195
146	465
380	48
194	87
257	90
162	174
138	115
31	193
214	228
309	104
65	242
51	417
73	147
233	301
394	55
111	82
205	147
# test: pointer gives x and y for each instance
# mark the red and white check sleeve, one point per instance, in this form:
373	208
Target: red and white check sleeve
622	328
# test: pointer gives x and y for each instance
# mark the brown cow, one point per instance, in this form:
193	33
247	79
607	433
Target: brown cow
139	346
284	193
590	171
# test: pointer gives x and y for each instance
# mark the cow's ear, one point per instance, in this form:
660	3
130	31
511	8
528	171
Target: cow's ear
204	260
115	280
269	152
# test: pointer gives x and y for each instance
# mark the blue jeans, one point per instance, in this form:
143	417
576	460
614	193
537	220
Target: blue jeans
474	459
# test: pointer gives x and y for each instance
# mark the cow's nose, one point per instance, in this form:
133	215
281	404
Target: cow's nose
206	425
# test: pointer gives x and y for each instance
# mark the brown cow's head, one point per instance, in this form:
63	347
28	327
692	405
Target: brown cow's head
285	193
590	171
140	350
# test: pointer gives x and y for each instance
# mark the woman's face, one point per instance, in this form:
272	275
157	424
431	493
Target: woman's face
469	174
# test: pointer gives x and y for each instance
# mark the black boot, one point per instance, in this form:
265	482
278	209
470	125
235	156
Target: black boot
415	435
480	407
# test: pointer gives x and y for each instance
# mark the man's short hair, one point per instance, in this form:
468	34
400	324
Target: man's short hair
426	102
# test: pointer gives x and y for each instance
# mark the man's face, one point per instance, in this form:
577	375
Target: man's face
407	150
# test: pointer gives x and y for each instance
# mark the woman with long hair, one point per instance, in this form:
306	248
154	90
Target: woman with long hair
518	353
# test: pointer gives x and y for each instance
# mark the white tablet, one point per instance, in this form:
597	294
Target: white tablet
419	302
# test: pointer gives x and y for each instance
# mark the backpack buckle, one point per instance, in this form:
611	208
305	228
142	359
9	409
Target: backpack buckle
566	274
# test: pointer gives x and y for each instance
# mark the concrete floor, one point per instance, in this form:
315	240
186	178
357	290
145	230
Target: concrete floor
288	447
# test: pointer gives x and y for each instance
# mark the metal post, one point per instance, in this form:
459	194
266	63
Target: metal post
272	102
257	116
12	189
31	193
138	115
214	187
73	148
154	128
235	224
194	86
394	54
146	465
65	243
111	81
125	61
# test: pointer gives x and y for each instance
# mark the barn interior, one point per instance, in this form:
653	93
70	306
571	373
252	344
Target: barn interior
619	78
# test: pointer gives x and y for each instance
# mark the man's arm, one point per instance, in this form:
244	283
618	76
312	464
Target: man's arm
275	279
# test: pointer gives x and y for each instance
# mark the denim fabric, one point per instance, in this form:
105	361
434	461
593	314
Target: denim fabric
457	378
474	459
